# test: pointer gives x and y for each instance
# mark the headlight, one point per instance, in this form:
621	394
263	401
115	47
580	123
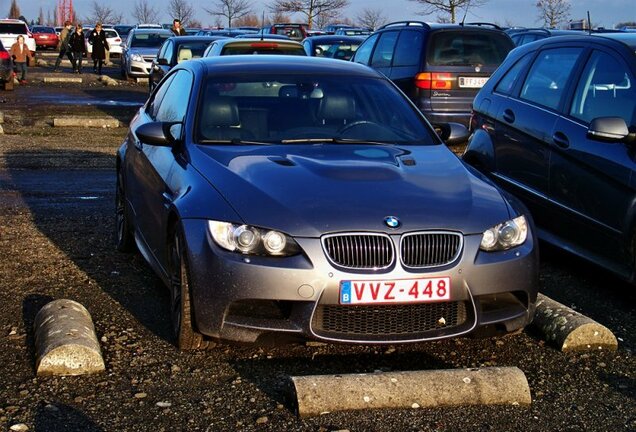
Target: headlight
252	240
505	235
136	57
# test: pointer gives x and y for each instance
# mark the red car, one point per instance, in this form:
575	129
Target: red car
45	37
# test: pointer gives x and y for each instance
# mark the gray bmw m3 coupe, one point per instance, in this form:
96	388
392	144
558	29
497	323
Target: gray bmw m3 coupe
308	198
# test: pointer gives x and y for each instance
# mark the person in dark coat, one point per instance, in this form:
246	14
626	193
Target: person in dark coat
177	29
77	45
62	46
97	38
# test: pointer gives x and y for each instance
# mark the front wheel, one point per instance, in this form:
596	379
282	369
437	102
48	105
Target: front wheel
187	338
124	233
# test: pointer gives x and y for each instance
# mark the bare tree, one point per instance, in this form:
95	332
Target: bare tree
41	17
181	10
324	18
103	14
553	12
230	9
249	20
371	18
14	10
311	9
143	12
448	7
278	17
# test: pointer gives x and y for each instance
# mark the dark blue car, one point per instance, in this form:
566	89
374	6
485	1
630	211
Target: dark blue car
556	126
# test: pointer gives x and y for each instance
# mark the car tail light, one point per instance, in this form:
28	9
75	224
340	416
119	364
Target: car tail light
4	55
264	45
434	81
117	40
29	34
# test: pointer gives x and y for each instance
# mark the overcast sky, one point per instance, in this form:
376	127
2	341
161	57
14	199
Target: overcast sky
509	12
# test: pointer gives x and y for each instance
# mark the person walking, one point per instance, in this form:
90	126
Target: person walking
77	45
177	29
20	54
62	46
97	38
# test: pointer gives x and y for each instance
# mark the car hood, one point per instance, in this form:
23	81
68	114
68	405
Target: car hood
310	190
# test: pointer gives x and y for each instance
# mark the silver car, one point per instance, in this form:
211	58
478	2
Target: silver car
140	49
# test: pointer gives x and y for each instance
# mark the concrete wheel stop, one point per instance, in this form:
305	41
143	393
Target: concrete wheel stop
320	394
570	330
65	340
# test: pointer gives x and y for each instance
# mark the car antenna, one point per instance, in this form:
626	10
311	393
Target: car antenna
465	13
589	23
263	26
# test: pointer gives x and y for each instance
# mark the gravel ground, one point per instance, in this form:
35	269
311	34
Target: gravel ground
56	241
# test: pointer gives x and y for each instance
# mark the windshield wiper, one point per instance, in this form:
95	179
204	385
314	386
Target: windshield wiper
234	141
334	141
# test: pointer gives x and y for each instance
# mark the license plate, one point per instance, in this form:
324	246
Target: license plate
472	82
419	290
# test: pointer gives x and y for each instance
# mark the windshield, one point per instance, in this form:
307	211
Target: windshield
307	110
263	48
7	28
148	40
49	30
337	50
468	48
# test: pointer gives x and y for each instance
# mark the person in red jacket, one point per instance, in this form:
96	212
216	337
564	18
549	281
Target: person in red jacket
20	53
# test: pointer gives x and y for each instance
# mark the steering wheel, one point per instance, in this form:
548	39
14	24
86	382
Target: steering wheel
350	126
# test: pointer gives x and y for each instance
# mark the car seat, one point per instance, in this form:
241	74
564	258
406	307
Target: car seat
336	108
184	54
220	119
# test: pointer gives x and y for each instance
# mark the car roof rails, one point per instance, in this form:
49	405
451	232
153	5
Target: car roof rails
406	23
483	24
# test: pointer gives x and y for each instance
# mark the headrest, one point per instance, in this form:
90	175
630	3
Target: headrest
184	54
609	77
337	106
221	111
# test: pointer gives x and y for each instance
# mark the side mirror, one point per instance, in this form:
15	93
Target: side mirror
609	129
162	61
157	133
452	133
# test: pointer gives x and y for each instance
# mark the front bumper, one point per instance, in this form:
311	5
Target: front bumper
138	68
242	298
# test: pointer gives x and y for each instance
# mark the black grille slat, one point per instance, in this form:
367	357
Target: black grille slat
360	251
430	249
387	320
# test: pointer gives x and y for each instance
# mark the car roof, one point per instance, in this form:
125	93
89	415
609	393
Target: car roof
185	39
151	31
336	38
247	41
608	40
287	65
440	26
627	38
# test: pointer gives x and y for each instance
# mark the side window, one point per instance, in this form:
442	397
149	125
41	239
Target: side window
169	52
162	51
172	107
157	96
606	89
363	55
409	49
383	53
549	75
507	83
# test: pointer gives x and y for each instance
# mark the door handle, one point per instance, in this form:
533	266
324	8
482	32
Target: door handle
509	116
561	140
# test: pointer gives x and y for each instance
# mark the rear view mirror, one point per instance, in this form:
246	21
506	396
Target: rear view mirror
162	61
609	129
452	133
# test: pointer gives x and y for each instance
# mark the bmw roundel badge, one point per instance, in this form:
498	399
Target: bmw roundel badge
392	221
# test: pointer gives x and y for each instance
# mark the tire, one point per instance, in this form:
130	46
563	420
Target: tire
124	73
123	227
186	337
